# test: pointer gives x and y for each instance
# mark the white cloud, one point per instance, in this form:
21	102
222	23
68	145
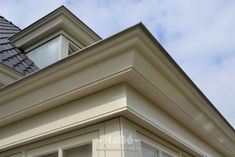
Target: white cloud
198	34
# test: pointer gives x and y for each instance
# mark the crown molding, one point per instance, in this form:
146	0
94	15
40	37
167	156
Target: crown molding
60	19
132	57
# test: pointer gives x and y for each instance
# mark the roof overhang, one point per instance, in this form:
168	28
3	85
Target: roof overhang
133	57
60	21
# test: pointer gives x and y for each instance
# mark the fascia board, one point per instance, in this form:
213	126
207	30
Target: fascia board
189	100
206	116
147	113
165	63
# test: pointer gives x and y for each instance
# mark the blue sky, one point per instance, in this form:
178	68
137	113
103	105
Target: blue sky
198	34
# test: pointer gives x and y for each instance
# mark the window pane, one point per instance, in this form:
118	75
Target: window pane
81	151
165	155
45	54
50	155
148	151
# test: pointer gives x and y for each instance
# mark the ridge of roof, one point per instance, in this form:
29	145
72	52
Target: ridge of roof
10	55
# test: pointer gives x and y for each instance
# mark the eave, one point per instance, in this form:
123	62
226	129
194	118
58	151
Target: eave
122	58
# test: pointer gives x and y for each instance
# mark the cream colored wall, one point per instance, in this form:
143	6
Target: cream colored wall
163	123
98	134
120	100
72	115
117	137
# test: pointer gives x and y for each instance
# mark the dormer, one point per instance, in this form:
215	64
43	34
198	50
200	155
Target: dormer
54	37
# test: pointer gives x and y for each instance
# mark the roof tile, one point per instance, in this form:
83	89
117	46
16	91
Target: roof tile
11	55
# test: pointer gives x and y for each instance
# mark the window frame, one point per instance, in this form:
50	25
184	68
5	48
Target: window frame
92	133
143	139
58	56
59	146
64	45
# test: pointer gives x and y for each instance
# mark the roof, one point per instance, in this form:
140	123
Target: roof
10	55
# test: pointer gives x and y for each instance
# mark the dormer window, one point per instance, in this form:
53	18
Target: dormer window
51	51
46	53
54	37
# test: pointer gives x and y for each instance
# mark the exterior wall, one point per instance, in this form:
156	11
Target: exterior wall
151	116
76	114
147	122
96	134
117	137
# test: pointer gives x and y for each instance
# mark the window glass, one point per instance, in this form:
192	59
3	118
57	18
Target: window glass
165	155
45	54
148	151
81	151
50	155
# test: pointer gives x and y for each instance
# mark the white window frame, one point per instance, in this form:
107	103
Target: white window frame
64	44
64	145
159	147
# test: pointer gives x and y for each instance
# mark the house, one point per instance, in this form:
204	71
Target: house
65	92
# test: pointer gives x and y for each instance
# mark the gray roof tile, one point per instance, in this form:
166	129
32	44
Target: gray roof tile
11	55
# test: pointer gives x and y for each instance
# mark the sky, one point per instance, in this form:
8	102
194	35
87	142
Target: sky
198	34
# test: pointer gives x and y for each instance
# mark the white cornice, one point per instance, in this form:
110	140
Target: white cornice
60	19
133	57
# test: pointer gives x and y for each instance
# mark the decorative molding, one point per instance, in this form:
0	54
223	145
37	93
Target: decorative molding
132	57
60	19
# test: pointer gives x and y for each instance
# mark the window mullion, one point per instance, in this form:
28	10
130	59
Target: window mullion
60	152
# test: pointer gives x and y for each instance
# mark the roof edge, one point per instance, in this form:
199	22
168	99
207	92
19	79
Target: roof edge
48	16
185	75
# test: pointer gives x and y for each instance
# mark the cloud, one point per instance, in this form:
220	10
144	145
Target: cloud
198	34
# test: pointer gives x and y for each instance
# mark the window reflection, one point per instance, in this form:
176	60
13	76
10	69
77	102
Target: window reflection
148	151
45	54
51	155
81	151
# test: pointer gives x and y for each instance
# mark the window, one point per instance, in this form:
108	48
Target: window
149	151
83	151
74	146
45	54
52	51
50	155
152	148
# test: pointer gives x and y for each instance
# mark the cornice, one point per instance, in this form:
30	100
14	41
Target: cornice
123	57
60	19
